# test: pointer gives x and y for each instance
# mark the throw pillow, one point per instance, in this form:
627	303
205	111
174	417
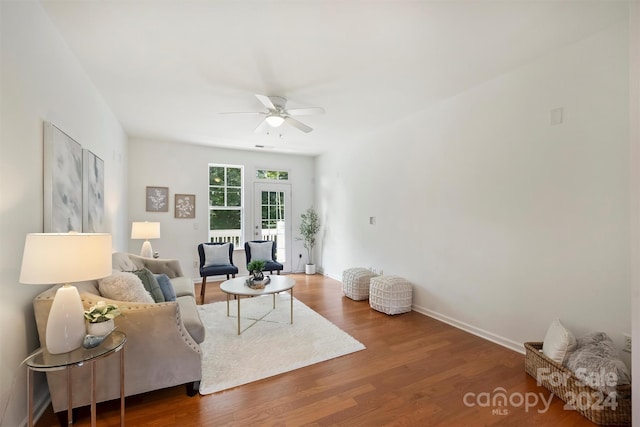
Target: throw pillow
122	286
216	255
261	251
150	284
166	287
596	363
558	342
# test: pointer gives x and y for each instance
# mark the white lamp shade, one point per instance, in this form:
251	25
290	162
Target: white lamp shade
51	258
145	230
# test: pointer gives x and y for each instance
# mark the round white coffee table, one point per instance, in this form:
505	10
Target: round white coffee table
238	288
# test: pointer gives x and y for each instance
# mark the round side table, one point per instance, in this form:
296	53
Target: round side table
43	361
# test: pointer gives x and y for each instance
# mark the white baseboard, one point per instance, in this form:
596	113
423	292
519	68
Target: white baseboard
489	336
40	404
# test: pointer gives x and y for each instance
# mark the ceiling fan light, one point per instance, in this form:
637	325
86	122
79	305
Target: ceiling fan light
274	120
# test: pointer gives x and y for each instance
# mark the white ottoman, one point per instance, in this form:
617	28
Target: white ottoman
390	294
355	283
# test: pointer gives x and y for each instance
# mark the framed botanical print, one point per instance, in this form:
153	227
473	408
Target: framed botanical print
185	205
157	199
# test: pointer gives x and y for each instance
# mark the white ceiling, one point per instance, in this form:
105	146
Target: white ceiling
167	68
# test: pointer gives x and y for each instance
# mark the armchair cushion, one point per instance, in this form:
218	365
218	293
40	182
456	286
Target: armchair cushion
123	286
166	287
150	284
261	251
216	255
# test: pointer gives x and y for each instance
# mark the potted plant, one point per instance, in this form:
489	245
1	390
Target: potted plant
309	227
100	317
255	267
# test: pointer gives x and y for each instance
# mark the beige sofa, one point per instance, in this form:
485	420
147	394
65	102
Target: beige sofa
162	348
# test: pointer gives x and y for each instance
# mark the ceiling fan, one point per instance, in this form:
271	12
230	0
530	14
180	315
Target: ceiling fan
277	114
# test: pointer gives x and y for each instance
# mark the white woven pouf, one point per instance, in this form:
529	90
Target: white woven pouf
355	283
390	294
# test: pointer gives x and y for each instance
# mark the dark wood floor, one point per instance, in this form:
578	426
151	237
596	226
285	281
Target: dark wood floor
415	371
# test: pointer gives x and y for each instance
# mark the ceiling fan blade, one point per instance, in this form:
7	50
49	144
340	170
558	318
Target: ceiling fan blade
262	126
305	111
299	125
242	112
265	101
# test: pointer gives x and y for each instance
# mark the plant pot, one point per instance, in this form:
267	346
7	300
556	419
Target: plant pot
258	275
100	329
310	269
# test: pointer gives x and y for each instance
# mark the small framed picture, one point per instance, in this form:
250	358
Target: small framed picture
185	206
157	199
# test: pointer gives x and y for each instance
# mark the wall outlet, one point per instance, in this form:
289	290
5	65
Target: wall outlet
627	343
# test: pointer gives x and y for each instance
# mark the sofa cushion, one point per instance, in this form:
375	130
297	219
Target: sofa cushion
183	286
150	284
216	255
166	287
261	251
123	286
558	342
190	318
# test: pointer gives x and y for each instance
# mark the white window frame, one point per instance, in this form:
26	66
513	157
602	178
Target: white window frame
237	240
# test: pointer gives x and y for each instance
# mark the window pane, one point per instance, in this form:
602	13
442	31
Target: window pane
272	198
216	196
234	177
216	175
225	219
234	197
283	175
272	174
261	174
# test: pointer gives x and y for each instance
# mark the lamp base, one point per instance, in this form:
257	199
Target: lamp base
146	251
65	326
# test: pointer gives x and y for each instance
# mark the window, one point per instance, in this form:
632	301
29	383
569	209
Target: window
272	175
225	204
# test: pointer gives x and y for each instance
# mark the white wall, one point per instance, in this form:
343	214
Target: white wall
500	220
634	114
41	81
184	168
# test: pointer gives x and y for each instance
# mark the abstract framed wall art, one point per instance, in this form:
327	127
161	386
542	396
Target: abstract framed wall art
185	205
62	174
157	199
92	193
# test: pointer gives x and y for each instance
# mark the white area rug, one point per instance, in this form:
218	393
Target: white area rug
269	347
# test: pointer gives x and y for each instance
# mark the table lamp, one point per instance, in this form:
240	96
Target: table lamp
145	230
52	258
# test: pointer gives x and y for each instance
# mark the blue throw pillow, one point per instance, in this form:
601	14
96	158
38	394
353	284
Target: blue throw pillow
166	287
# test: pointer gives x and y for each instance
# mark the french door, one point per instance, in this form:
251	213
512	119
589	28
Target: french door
272	218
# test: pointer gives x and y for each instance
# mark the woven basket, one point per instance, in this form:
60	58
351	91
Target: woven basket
596	406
